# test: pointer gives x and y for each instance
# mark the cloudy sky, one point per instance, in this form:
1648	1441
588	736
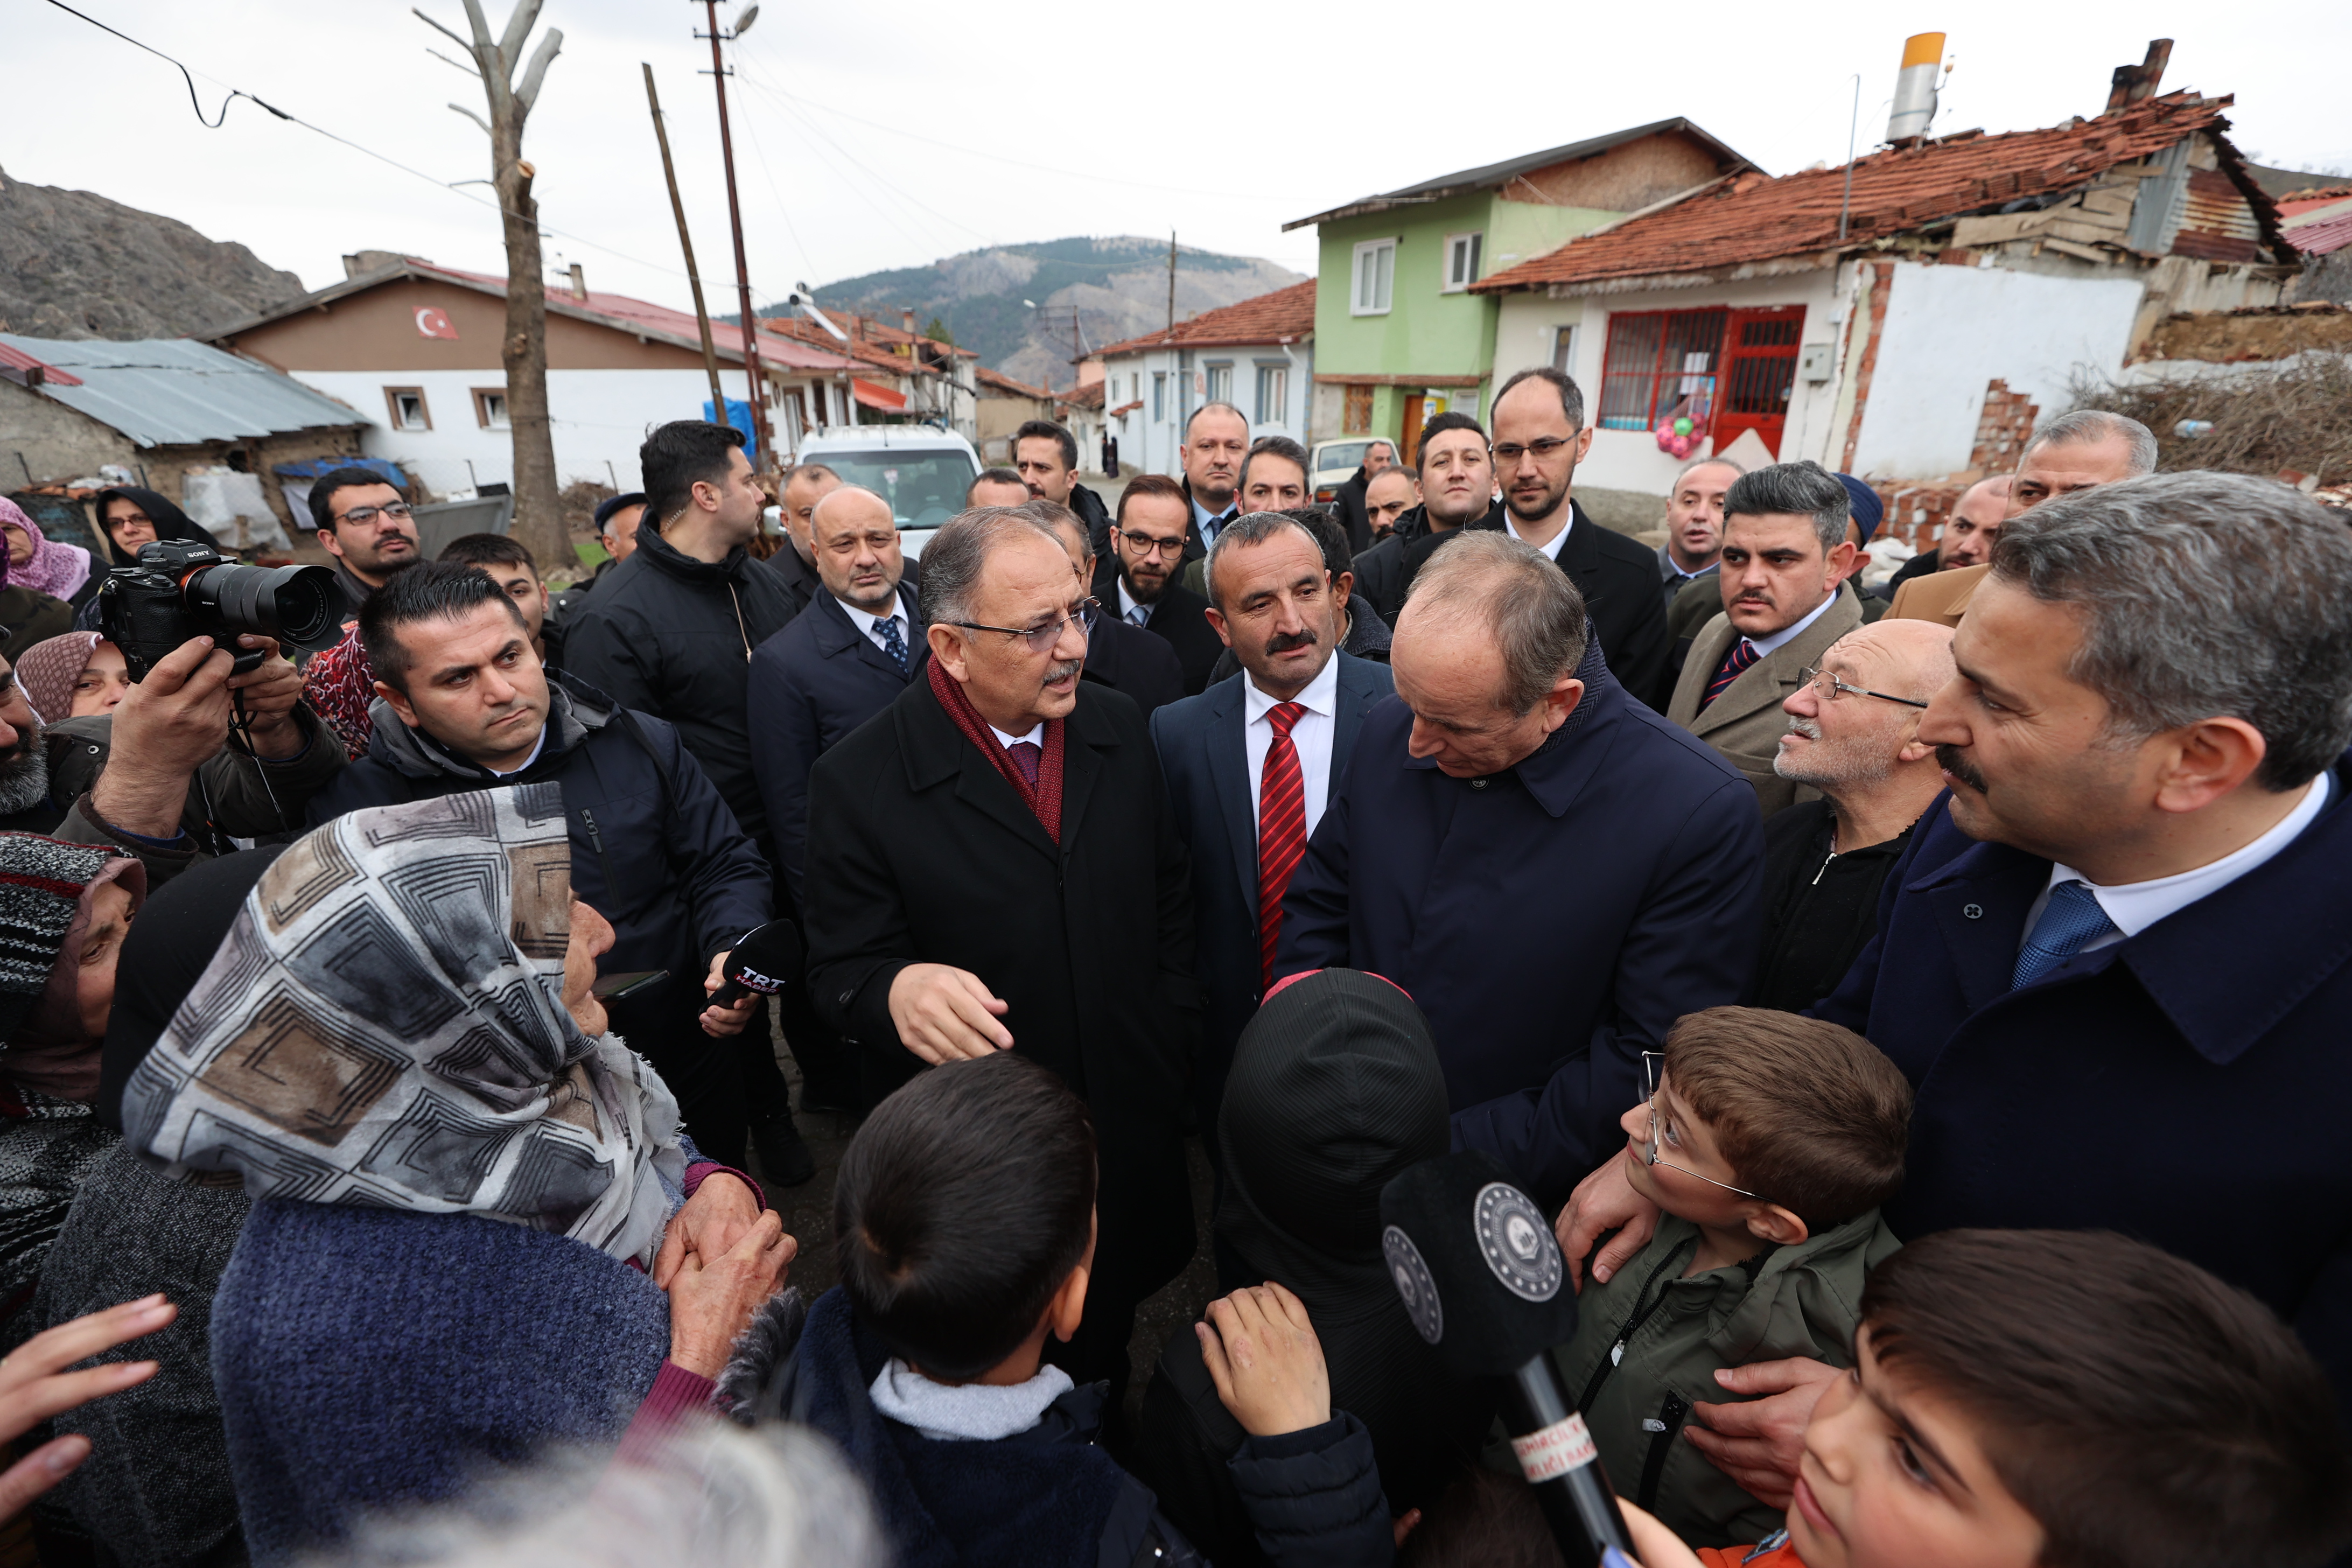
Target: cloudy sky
875	136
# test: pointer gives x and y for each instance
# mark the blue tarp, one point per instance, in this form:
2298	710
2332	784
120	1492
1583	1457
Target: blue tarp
313	468
739	415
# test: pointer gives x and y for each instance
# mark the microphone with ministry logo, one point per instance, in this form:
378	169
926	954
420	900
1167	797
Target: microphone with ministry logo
762	963
1484	1281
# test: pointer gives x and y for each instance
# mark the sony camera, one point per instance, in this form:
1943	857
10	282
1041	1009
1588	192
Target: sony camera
181	590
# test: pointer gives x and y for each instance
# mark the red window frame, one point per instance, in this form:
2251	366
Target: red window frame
1644	373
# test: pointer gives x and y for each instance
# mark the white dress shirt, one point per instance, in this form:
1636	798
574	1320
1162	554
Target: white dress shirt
1552	546
2136	906
872	625
1770	642
1035	737
1313	735
537	746
1128	603
1210	523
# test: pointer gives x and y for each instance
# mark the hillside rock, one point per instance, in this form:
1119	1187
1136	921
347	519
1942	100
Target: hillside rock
75	265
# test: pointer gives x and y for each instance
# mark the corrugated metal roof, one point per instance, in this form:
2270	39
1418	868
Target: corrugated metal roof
175	391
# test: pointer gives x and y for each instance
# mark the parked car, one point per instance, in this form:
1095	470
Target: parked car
921	471
1335	462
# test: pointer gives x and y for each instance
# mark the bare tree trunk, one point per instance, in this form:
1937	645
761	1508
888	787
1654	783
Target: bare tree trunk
538	513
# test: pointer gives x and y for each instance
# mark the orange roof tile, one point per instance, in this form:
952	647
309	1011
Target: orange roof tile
1281	317
1085	394
997	381
1751	218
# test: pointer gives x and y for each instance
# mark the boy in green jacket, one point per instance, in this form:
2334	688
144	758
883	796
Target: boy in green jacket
1768	1140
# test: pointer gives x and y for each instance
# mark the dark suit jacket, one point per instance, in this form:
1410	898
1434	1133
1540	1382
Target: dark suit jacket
1552	920
798	578
1129	659
2185	1086
1181	615
920	851
812	684
1205	760
1348	506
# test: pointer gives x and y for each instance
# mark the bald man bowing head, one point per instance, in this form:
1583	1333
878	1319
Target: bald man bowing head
992	866
1552	869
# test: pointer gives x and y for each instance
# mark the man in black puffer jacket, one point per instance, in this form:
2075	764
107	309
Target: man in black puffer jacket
655	850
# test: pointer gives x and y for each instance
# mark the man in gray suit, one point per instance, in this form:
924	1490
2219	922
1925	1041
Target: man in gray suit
1251	762
1786	558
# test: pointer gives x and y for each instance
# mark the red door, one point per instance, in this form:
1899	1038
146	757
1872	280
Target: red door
1759	374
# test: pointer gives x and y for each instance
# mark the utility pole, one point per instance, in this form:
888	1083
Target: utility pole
538	520
686	243
755	375
1172	282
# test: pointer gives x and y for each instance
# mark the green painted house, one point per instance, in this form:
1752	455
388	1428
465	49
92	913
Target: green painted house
1399	338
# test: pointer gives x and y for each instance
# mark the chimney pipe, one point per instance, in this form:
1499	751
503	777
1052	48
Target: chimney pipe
907	316
351	265
1915	88
579	283
2132	83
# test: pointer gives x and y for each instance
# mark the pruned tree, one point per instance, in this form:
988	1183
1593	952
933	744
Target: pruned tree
538	518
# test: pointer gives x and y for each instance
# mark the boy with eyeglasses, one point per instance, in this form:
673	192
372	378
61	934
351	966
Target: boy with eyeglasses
1769	1141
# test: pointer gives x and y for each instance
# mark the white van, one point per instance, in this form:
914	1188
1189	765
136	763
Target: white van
1336	463
920	470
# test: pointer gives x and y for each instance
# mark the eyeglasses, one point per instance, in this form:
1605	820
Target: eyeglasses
1511	451
1144	545
1652	1063
1041	639
1836	688
398	511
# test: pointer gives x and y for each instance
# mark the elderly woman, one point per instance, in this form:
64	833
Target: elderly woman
30	609
461	1245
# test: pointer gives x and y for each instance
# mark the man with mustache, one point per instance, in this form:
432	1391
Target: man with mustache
992	864
2113	960
1250	763
1786	558
1852	734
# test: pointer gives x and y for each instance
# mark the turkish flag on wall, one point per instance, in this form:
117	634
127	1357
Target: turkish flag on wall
431	322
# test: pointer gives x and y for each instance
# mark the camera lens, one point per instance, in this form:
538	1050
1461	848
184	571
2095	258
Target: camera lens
299	605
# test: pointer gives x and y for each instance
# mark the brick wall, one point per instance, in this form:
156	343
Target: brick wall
1917	510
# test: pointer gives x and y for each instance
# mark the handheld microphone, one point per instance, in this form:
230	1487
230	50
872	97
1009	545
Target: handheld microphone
762	964
1484	1281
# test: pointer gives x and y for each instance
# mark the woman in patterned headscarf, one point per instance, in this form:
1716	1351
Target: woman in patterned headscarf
29	611
460	1246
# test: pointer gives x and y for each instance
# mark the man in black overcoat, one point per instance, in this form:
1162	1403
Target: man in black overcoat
992	864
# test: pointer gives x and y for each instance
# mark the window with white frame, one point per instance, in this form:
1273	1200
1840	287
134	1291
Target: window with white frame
1221	384
1375	278
1563	350
491	408
1273	393
406	405
1159	397
1463	254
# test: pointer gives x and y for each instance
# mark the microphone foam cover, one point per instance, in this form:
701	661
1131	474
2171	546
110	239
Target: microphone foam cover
1476	1264
768	958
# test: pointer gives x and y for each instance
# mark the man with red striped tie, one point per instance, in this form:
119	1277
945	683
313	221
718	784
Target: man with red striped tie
1251	762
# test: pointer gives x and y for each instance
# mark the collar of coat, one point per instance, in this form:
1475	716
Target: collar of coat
669	559
1556	772
1741	1299
2277	933
935	753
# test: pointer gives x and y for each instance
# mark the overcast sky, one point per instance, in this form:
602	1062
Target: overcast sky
875	136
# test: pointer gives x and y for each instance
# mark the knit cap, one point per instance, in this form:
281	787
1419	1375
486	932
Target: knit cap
41	883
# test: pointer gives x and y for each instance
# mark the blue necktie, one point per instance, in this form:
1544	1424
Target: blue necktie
892	643
2070	919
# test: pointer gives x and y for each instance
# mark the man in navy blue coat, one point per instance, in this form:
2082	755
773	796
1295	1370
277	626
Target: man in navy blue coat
1552	870
2117	958
1275	605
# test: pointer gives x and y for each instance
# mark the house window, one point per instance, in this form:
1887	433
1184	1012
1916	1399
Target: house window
407	406
1273	393
1221	384
491	408
1463	254
1357	419
1659	362
1375	276
1563	350
1159	397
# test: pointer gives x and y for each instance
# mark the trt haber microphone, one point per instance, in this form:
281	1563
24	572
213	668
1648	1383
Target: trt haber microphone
1484	1281
762	964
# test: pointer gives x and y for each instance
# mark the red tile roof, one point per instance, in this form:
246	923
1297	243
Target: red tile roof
1284	316
2297	203
2322	236
997	381
1750	218
622	309
1085	394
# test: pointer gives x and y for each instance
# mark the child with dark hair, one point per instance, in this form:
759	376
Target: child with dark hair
1768	1140
2059	1399
965	1219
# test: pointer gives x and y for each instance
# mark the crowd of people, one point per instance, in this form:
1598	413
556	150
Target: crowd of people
1914	1006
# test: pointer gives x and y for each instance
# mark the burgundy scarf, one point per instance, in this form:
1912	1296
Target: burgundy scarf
1046	799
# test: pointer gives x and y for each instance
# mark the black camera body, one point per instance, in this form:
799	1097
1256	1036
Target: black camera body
181	590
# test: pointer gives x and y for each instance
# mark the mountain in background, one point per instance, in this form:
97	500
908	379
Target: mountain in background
75	265
1117	286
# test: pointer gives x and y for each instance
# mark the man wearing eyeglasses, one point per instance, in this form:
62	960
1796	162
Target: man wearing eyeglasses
1786	557
992	864
1140	581
364	523
1852	734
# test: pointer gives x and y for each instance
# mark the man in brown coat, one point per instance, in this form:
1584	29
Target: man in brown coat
1786	558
